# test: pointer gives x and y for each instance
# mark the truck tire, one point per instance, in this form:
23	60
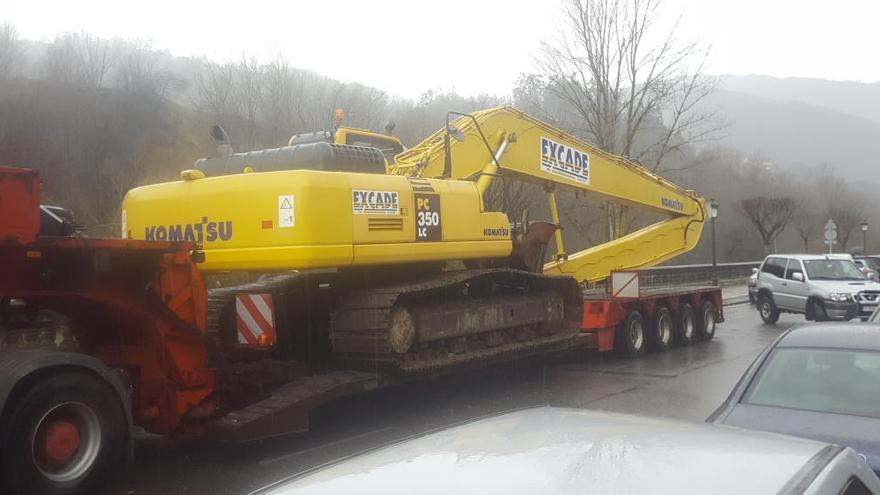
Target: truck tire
630	335
767	309
706	321
685	325
66	435
661	330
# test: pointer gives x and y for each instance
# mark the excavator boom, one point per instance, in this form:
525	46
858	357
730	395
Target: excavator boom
504	142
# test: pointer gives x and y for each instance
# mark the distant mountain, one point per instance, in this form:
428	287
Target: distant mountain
791	132
855	98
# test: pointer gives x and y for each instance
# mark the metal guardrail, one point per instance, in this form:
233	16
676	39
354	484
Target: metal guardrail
701	274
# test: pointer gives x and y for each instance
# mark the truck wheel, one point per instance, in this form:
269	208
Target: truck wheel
706	323
661	331
67	434
768	310
630	335
685	325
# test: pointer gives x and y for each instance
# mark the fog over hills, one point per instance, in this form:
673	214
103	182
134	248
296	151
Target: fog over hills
855	98
803	122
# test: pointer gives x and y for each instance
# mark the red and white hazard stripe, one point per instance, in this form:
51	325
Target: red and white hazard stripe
255	319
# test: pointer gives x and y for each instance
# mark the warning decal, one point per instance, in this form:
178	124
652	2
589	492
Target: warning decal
285	211
375	202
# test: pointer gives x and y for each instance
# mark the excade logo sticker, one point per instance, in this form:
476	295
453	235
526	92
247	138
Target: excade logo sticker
561	160
375	202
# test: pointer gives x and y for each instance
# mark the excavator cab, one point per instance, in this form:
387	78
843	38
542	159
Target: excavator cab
389	145
341	149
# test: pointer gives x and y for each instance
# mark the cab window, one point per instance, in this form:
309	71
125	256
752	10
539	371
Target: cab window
794	266
775	267
855	487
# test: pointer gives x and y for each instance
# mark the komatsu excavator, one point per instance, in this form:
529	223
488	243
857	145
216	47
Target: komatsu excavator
399	264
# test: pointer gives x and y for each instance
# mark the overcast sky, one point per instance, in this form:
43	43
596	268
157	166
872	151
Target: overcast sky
472	46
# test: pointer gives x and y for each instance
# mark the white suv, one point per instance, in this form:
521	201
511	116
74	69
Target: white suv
822	287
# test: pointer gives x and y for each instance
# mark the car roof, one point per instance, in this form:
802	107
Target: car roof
562	451
839	335
840	256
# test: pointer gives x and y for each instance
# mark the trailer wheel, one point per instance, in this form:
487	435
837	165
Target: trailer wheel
630	335
661	334
65	435
685	325
707	320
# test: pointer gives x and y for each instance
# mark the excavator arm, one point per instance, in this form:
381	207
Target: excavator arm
508	144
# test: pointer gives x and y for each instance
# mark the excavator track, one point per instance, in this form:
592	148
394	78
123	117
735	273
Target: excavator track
437	322
455	319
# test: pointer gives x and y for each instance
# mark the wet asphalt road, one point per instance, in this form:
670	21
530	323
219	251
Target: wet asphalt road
684	383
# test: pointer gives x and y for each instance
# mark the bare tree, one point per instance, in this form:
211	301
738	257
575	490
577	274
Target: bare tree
629	97
214	85
277	102
139	71
62	62
513	197
807	224
96	56
248	93
847	216
11	56
769	216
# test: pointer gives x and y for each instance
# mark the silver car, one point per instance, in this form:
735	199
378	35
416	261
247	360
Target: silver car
822	287
573	451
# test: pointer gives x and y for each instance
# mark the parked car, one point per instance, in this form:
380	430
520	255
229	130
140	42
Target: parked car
872	261
819	381
867	268
753	286
821	287
572	451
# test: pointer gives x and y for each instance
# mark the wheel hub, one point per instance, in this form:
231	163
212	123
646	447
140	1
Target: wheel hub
636	334
665	327
66	441
62	441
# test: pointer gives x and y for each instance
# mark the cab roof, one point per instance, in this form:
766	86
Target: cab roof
836	256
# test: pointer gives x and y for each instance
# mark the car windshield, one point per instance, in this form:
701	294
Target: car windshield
823	380
833	270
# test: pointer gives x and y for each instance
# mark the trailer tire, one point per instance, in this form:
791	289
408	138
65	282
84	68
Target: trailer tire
661	330
685	325
708	319
66	435
630	335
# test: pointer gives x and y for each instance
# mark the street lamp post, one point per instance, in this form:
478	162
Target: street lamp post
713	213
864	237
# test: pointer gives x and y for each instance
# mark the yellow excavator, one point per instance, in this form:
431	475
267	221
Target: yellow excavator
396	261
